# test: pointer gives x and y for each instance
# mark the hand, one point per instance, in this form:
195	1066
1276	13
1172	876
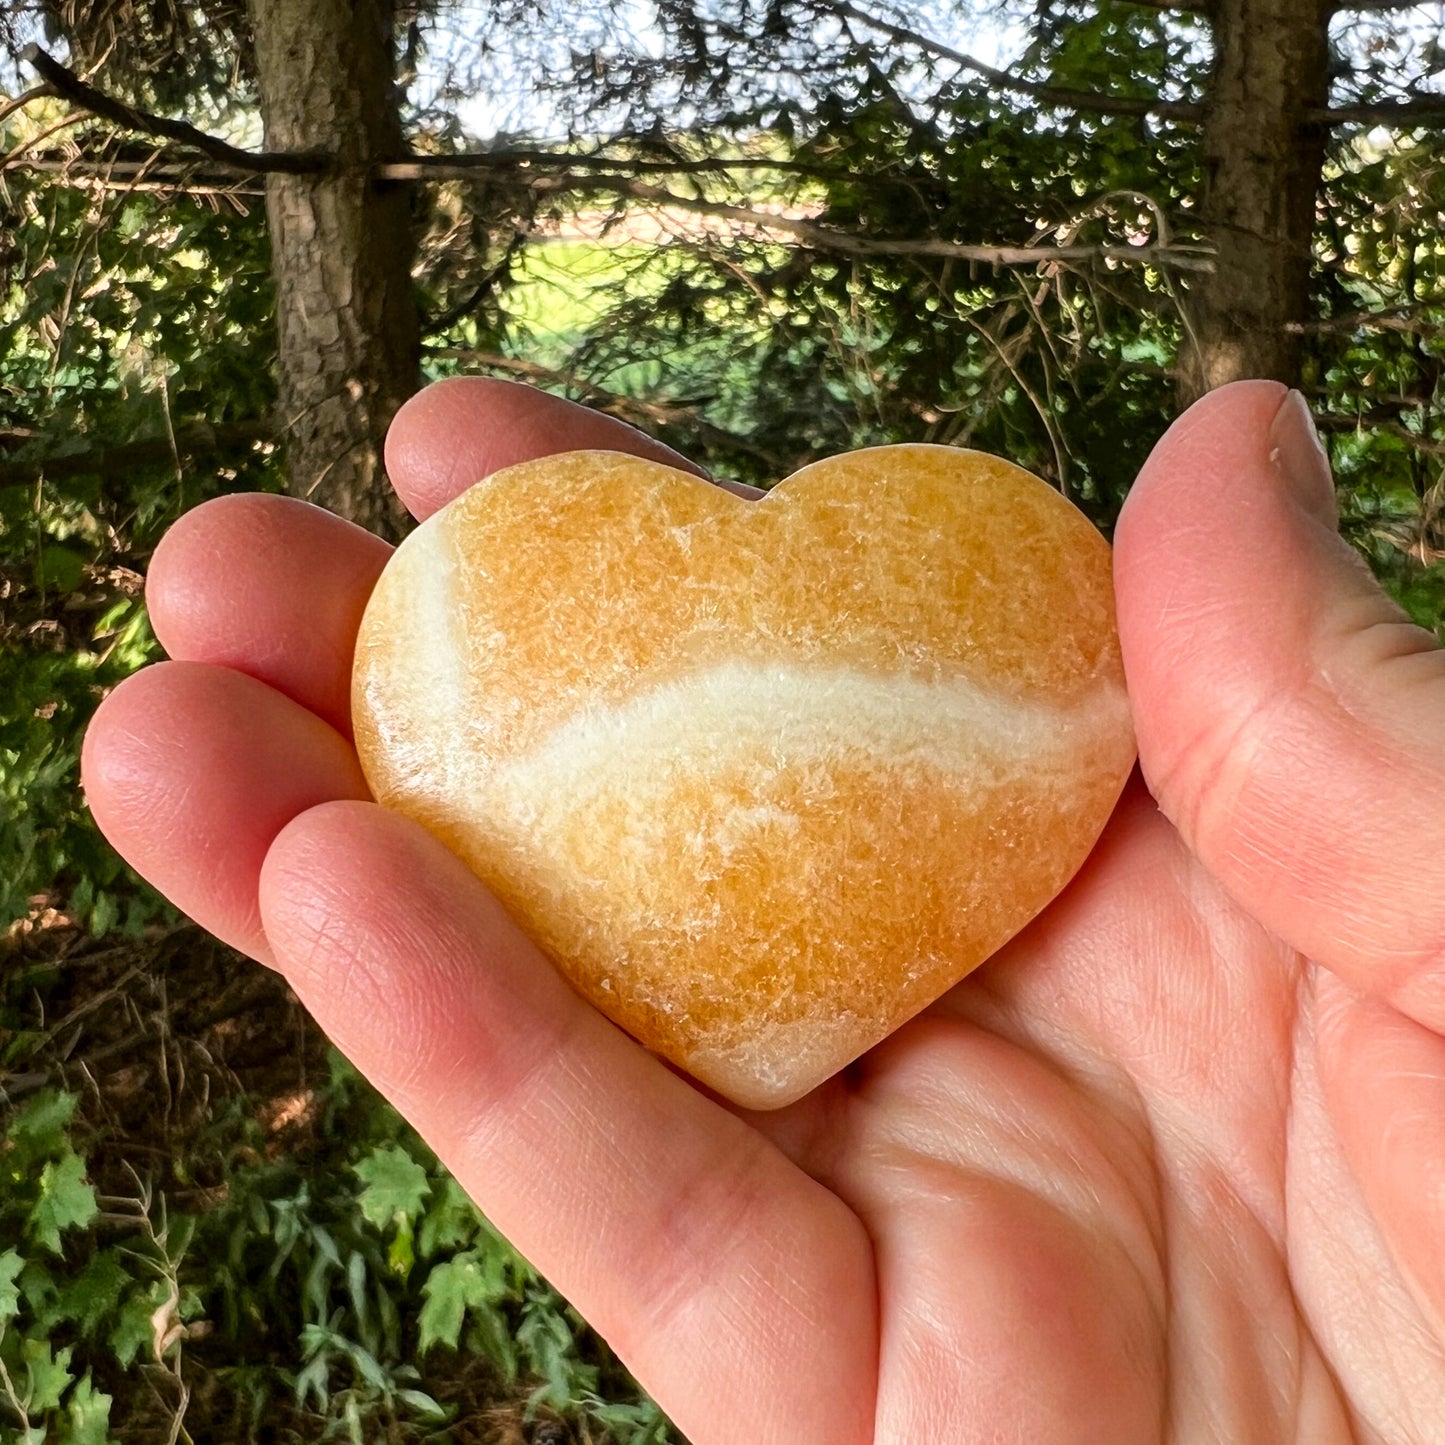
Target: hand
1169	1168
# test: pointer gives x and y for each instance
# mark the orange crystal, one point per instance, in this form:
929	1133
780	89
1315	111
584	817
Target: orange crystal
762	778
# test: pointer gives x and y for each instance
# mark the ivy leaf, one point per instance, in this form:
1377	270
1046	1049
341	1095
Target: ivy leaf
39	1129
452	1220
93	1293
39	1291
10	1266
131	1332
395	1185
87	1416
49	1375
451	1289
66	1200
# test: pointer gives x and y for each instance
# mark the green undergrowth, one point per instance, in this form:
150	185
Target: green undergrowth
258	1249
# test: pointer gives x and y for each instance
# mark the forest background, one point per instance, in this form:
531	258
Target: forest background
233	238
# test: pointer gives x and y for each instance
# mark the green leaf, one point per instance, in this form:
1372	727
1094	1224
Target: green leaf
87	1416
451	1220
38	1289
424	1407
39	1129
59	568
131	1332
94	1292
549	1346
104	915
446	1297
395	1185
48	1375
490	1336
66	1201
451	1289
314	1379
10	1266
401	1254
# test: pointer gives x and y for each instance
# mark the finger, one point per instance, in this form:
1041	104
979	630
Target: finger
191	771
678	1232
458	431
272	587
1383	1078
1291	723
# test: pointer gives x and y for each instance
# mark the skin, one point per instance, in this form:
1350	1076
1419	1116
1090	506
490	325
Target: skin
1168	1168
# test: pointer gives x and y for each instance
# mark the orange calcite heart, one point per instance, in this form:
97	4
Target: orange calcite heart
762	778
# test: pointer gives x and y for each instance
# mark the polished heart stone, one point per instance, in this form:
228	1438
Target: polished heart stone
762	778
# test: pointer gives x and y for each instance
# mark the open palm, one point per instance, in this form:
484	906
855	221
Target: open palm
1169	1168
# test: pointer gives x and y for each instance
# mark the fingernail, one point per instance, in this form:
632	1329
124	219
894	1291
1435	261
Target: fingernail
1297	453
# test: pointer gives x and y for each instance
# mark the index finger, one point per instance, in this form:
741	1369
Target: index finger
458	431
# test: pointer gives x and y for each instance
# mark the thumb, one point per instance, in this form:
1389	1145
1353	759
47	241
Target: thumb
1291	722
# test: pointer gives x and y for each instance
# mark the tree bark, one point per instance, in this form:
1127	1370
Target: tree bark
1263	156
341	249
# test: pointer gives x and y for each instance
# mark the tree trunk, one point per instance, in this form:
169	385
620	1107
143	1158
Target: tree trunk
1262	163
341	249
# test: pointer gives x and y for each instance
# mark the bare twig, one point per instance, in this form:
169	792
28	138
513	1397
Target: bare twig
15	155
94	1001
19	102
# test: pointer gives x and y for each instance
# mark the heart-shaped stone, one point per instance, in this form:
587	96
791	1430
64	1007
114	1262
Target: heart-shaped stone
762	778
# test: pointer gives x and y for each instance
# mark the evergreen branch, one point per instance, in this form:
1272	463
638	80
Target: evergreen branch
1187	7
1061	97
166	163
512	158
1402	319
66	83
629	408
189	441
1422	110
1380	409
1377	419
809	233
168	178
826	238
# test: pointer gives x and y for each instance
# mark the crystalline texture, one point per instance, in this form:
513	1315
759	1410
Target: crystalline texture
763	778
